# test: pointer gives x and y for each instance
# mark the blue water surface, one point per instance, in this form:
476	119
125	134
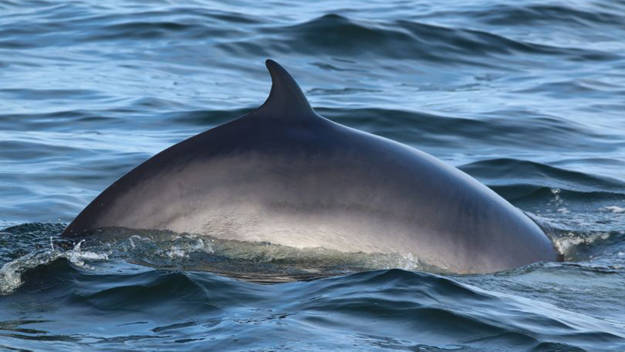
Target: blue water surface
526	96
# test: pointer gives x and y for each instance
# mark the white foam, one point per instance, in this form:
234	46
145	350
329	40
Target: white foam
11	272
613	209
566	243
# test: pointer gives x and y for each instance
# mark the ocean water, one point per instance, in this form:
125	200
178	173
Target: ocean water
526	96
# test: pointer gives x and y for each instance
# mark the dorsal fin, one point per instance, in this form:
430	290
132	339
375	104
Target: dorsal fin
286	100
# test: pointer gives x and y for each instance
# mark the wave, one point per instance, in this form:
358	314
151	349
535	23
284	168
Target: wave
171	295
334	34
523	176
499	128
331	34
535	14
66	25
35	244
389	309
255	261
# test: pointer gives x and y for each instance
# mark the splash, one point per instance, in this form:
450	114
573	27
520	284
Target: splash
254	261
11	272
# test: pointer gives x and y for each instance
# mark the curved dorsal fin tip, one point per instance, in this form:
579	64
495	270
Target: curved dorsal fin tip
271	65
278	74
286	99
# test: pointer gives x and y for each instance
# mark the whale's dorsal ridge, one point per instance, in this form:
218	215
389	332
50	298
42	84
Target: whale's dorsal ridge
286	100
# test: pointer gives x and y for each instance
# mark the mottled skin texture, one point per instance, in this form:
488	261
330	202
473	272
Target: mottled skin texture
285	175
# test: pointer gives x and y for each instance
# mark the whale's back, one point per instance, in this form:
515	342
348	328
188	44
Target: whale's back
283	174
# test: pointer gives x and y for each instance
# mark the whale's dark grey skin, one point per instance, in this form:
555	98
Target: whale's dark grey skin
285	175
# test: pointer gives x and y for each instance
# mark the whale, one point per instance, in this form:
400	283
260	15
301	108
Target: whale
283	174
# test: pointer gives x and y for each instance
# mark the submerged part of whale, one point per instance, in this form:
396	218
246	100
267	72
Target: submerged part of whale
284	175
